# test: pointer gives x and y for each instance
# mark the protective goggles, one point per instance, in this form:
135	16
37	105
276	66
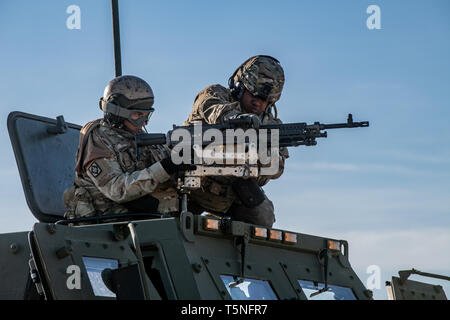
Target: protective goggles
117	110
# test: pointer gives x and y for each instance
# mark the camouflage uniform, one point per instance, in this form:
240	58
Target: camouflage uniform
215	104
109	173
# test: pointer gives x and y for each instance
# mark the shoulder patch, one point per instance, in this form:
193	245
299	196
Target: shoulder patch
95	170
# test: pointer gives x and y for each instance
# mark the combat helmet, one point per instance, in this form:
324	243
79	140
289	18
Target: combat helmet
261	75
124	95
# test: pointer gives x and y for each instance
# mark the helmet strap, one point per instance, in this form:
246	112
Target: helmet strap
269	111
276	111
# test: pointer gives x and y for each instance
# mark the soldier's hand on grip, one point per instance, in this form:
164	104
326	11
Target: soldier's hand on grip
246	118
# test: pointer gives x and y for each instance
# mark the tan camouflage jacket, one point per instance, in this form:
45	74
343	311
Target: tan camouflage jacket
109	173
212	105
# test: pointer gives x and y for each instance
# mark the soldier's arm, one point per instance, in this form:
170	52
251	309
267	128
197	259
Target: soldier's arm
122	187
283	155
213	105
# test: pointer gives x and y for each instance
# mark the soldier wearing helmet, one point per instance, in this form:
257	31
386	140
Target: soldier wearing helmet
253	89
110	175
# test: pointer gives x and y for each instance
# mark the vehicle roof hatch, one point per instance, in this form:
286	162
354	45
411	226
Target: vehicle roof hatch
45	152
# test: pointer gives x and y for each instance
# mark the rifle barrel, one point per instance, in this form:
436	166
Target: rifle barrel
345	125
148	139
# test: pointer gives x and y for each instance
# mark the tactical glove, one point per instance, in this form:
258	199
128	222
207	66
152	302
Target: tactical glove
248	118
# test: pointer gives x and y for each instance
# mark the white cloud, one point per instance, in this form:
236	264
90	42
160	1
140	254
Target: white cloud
15	215
9	172
425	249
347	209
363	168
424	158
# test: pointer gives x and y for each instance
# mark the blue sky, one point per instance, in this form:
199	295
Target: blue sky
385	188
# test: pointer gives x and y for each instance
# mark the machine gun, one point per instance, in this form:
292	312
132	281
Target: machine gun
238	165
290	134
244	165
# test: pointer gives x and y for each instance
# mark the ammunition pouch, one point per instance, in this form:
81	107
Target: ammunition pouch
78	203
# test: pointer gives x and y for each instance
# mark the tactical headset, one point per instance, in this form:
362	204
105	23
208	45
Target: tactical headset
237	89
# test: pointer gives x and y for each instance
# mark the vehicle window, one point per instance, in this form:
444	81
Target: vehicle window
248	289
334	292
94	268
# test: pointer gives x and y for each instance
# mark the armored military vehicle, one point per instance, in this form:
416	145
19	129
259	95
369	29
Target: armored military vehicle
150	256
156	256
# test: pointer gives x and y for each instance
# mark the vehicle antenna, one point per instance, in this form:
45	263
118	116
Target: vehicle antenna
116	35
